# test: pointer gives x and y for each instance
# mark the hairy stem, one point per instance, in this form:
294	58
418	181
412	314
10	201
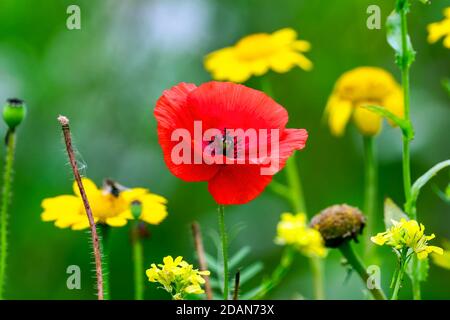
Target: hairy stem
95	240
356	263
103	235
198	241
6	199
223	236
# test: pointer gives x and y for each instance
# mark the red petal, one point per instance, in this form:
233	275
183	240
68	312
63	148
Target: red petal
228	105
291	140
172	113
238	184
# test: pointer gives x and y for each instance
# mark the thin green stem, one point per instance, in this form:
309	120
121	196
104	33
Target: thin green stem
293	178
138	263
370	191
399	274
278	274
6	198
356	263
224	239
405	66
318	278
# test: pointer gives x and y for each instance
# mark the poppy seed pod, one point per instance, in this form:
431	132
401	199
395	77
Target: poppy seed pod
338	224
14	112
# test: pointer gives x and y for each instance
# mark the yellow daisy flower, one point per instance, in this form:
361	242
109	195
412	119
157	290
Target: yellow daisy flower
110	205
407	234
177	277
256	54
293	230
441	29
361	87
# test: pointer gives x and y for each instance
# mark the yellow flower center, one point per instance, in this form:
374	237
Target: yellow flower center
105	205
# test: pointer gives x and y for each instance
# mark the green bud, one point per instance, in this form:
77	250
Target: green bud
136	209
14	112
339	223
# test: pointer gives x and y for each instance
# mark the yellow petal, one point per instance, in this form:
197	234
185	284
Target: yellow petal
116	221
338	112
82	224
367	122
154	210
301	45
284	36
89	186
394	103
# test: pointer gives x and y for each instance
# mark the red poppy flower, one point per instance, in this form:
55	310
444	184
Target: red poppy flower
236	176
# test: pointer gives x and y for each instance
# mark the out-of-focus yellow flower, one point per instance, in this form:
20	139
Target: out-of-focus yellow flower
177	277
441	29
407	234
293	230
256	54
110	205
360	87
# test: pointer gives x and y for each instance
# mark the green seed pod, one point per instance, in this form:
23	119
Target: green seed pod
14	112
339	223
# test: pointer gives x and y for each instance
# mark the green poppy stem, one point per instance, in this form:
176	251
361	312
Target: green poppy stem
356	263
6	199
224	239
370	192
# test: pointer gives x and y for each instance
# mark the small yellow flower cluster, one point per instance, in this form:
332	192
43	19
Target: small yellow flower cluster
293	230
363	86
110	205
441	29
407	234
256	54
177	277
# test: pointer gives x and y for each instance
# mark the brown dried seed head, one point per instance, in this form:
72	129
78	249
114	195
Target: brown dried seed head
339	223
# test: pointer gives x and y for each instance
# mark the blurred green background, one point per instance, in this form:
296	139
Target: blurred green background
107	77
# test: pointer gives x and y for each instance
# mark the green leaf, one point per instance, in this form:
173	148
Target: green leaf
394	38
249	272
446	85
418	185
418	269
403	124
238	257
212	264
251	294
392	212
